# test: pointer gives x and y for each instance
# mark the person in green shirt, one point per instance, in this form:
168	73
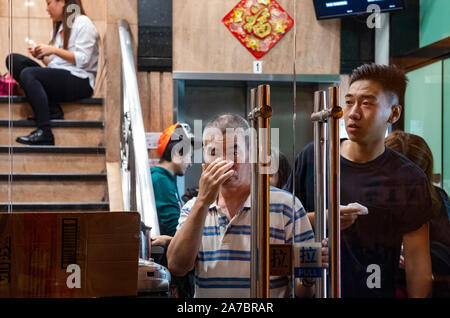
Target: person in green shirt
167	199
173	163
175	152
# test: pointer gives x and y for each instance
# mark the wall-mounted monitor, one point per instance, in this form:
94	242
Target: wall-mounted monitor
329	9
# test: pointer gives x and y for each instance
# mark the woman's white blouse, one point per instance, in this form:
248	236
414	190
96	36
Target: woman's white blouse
83	43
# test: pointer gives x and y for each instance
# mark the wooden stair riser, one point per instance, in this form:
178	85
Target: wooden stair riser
21	111
37	208
53	163
54	191
64	136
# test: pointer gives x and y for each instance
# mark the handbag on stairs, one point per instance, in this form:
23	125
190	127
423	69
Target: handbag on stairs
8	86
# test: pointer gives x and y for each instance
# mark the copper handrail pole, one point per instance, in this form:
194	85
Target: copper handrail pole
330	116
334	192
265	112
320	104
259	118
254	264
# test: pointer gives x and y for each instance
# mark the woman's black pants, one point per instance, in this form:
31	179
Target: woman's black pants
46	87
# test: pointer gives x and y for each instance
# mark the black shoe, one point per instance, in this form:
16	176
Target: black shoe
38	138
55	116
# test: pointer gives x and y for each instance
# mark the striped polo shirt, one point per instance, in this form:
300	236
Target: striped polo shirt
222	267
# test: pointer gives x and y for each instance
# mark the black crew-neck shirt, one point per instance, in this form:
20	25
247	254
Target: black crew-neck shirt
396	193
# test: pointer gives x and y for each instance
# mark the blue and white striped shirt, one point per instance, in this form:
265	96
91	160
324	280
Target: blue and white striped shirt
222	268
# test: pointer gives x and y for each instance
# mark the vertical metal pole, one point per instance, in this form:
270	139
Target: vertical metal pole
259	118
254	265
334	192
320	104
265	112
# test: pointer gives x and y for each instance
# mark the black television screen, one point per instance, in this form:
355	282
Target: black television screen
328	9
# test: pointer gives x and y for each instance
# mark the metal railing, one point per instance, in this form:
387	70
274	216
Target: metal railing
137	184
329	117
259	118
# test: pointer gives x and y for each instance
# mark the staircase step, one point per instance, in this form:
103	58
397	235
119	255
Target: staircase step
87	109
52	177
52	149
67	177
64	136
54	207
52	162
54	123
21	99
53	188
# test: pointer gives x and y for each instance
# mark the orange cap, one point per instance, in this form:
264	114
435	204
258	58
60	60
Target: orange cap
165	138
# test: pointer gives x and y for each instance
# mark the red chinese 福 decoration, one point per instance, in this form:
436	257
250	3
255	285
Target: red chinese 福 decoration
258	24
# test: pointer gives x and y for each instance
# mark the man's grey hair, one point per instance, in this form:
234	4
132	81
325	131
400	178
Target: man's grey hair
228	120
225	123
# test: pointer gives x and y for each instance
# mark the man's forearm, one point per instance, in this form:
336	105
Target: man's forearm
418	263
419	278
185	244
418	282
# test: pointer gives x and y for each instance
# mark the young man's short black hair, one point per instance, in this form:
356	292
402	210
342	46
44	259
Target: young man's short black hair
390	77
167	154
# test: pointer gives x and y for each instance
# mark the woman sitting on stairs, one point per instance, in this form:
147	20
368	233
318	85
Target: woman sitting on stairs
71	60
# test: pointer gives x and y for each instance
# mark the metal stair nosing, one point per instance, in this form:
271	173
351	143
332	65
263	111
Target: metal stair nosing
54	123
85	101
52	177
53	149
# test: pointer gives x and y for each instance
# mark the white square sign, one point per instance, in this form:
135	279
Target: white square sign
257	67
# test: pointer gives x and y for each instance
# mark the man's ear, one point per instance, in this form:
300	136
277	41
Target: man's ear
396	112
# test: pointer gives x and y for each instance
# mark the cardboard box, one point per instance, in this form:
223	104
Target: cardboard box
69	254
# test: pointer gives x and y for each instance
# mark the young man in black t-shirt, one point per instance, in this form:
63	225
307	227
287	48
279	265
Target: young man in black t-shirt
394	190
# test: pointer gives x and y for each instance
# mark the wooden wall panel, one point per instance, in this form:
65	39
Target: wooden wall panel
155	102
156	95
167	99
203	44
114	173
37	29
144	92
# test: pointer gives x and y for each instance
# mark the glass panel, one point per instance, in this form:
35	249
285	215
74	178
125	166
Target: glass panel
233	96
423	108
446	124
199	97
6	105
226	85
434	22
23	24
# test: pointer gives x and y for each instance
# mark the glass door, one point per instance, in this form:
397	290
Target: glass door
423	108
